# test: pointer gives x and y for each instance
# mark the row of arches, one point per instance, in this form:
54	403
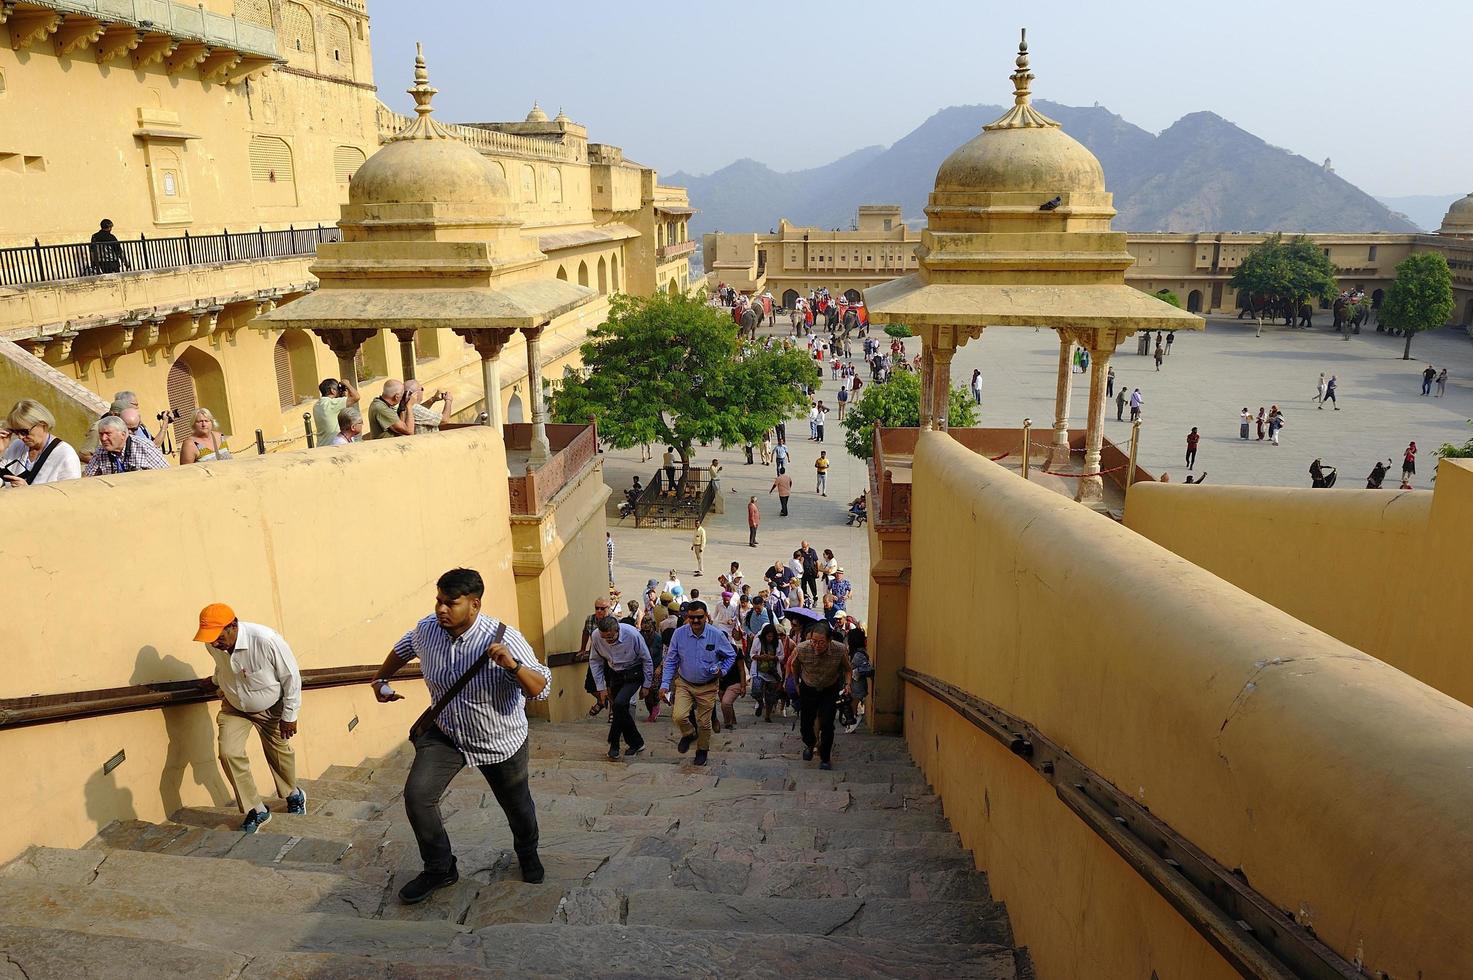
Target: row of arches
607	270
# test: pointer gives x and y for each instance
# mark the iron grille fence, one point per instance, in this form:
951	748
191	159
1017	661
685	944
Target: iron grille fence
29	265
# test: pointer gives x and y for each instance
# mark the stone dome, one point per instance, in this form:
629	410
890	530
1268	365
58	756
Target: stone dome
1459	218
420	171
1023	151
425	163
536	115
1043	160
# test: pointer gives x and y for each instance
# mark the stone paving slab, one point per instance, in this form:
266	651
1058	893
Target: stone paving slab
37	952
645	951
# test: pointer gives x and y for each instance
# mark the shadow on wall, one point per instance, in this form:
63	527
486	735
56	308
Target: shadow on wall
190	734
107	801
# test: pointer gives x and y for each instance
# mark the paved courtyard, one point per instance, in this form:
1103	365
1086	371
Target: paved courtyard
1211	375
1207	379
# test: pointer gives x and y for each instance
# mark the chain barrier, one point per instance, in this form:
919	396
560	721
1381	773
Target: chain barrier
1113	469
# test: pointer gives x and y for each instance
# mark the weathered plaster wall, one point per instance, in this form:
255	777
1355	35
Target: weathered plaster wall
113	572
1333	780
1385	571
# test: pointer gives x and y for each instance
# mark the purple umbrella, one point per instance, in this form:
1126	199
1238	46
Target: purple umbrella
802	613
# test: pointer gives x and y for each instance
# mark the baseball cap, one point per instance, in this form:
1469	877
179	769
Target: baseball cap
212	619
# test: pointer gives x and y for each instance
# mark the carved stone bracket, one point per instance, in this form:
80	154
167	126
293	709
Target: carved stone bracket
344	342
35	346
117	41
488	341
185	56
28	27
218	64
153	49
7	8
76	33
59	347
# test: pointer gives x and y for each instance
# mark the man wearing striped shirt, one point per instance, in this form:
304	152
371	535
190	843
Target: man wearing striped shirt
484	725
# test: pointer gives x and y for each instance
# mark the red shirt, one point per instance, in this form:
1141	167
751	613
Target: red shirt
1192	438
753	515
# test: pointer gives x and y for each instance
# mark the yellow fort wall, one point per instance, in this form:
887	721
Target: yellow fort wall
1385	571
337	549
1335	782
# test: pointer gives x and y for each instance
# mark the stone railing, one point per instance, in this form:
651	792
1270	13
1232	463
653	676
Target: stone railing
184	21
574	447
486	140
668	253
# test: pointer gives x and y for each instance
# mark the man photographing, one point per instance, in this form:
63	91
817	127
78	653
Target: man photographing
484	724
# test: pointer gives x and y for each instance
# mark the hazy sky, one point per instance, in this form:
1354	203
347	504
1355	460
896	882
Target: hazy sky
1383	89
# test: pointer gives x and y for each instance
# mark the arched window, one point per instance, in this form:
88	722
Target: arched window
301	39
615	269
195	379
562	273
790	299
603	275
514	412
296	369
286	395
273	177
1194	301
337	47
345	162
582	273
554	186
529	184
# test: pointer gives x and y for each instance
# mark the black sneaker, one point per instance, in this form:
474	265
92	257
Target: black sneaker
427	884
297	802
825	765
807	753
700	758
634	750
686	741
254	820
532	872
614	752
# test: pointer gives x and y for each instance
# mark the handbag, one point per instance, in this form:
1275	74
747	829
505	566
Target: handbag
424	721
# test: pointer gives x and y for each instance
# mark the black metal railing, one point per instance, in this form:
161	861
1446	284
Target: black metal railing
28	265
681	505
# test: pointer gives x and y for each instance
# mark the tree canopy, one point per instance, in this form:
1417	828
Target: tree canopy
1297	270
897	404
1420	299
1168	297
672	370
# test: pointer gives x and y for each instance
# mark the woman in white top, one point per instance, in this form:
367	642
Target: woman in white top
34	455
205	443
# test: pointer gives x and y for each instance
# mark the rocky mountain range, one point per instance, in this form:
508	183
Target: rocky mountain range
1203	173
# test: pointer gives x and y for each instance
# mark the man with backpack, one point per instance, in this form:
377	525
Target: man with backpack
809	558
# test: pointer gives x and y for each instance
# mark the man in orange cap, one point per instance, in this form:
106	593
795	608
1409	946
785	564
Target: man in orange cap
261	688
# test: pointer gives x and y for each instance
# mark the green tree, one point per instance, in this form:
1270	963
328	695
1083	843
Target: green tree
670	369
1450	451
899	330
1420	299
896	404
1278	271
1168	297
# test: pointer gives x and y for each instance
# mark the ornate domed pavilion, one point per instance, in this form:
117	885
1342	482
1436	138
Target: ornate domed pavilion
431	241
1019	235
1458	222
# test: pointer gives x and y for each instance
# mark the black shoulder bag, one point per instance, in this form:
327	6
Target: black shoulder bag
423	723
34	470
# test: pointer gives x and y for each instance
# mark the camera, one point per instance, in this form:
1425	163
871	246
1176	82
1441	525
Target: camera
13	467
171	415
342	390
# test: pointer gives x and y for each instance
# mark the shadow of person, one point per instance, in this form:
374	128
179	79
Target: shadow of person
106	800
190	731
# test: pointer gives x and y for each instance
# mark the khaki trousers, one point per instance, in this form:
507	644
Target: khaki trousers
699	553
234	726
703	698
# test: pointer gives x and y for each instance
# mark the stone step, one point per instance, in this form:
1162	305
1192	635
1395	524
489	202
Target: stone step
218	883
246	927
797	879
872	918
262	847
348	830
342	789
36	952
677	848
614	950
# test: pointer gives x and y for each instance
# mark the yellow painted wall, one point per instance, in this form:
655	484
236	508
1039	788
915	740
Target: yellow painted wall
23	376
114	571
1385	571
1337	783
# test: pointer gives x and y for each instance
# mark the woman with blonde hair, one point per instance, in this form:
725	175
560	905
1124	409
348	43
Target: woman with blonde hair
205	443
34	455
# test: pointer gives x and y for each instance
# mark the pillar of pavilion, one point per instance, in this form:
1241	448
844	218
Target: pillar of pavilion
431	241
1018	235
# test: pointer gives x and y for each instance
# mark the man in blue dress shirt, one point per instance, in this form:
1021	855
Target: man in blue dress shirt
485	724
621	666
696	658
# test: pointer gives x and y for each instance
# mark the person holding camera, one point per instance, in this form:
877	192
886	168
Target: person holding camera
484	724
119	452
384	416
122	401
425	418
336	396
34	455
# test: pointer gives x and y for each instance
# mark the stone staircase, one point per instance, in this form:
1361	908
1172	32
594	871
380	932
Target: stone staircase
757	865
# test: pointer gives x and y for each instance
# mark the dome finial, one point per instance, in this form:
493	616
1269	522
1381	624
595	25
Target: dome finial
422	91
1022	115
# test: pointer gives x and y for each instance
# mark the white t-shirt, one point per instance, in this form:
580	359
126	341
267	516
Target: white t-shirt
62	464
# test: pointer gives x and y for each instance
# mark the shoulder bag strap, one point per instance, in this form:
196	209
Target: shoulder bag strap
427	719
34	470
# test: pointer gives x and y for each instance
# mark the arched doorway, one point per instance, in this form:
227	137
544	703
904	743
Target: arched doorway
582	273
674	288
514	408
790	299
1194	301
852	295
195	380
614	268
295	366
562	273
1376	298
603	275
